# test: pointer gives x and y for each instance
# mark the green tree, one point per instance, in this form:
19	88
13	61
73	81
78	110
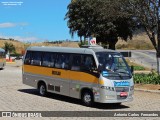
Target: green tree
9	47
104	19
147	13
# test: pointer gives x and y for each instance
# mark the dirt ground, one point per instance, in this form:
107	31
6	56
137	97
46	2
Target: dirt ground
147	86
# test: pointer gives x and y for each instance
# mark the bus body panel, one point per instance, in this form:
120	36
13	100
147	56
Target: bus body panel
81	80
37	74
70	82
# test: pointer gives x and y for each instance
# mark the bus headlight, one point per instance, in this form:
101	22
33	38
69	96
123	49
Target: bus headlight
108	88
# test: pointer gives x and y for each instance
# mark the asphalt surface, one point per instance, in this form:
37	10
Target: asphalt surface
15	96
145	58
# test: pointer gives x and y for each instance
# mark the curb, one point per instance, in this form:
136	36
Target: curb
141	71
145	90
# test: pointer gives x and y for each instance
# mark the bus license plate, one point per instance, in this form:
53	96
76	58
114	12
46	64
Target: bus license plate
123	94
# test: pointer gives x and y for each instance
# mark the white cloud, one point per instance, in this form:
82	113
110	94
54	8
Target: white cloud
25	39
10	24
7	25
22	39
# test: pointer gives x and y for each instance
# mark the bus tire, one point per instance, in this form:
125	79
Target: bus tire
42	89
87	98
3	67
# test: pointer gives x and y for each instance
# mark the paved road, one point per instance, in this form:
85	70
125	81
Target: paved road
14	96
144	57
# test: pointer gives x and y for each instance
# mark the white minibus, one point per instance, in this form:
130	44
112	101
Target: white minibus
90	74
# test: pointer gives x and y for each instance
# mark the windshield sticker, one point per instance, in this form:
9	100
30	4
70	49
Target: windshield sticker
105	73
122	83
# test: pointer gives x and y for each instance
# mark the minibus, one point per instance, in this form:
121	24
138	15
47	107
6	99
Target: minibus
92	74
2	58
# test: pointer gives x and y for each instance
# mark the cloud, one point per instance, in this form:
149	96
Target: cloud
7	25
10	24
25	39
22	39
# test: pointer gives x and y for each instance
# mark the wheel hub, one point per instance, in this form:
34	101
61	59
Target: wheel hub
87	98
42	90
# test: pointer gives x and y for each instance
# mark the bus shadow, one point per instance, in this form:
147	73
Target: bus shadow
73	100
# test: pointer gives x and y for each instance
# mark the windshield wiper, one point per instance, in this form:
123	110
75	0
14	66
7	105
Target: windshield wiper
125	73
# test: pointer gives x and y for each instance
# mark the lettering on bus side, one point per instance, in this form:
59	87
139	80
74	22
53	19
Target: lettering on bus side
56	73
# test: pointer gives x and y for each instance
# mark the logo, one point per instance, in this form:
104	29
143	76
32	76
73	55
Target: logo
122	83
6	114
92	41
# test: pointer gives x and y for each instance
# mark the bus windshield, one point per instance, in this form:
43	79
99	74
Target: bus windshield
114	65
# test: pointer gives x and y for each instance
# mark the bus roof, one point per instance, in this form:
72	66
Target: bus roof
69	49
2	50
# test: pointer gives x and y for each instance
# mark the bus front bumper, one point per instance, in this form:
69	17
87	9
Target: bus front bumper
113	97
128	99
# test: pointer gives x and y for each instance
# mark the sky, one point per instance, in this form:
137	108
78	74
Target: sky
34	20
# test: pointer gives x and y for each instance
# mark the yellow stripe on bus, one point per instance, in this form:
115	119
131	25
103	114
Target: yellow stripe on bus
83	77
43	71
65	74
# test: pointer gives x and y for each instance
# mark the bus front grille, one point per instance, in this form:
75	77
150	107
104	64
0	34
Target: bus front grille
122	89
121	98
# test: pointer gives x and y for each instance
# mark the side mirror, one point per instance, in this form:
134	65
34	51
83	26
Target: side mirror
132	69
100	68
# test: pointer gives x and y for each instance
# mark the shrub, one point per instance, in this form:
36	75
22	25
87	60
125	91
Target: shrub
151	78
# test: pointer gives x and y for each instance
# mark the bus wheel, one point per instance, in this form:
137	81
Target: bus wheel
87	98
42	89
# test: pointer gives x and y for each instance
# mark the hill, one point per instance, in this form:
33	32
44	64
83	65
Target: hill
139	41
20	46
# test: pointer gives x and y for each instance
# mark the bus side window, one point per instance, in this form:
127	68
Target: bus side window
28	58
88	63
36	58
62	61
48	59
53	58
76	62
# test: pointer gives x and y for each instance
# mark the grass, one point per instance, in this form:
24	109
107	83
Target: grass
137	67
